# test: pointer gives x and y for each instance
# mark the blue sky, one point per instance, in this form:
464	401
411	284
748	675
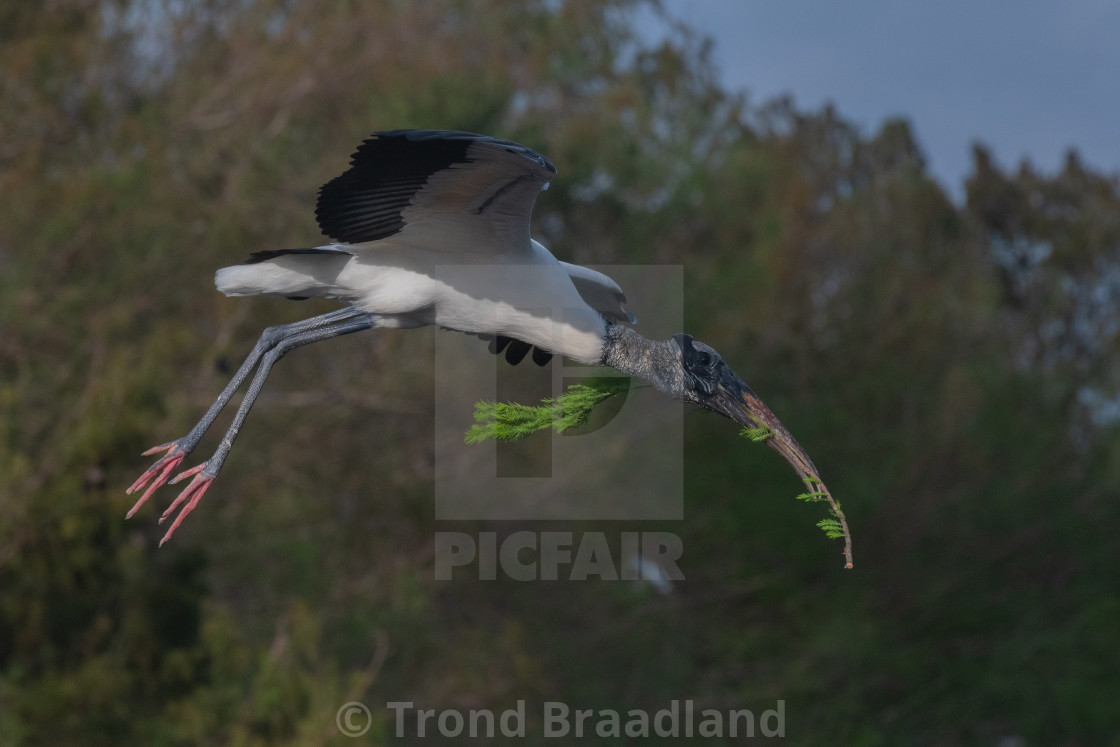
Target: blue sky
1030	78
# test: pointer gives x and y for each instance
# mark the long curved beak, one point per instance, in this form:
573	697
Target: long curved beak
730	396
734	399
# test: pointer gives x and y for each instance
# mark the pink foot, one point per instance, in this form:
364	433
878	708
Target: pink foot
161	471
191	495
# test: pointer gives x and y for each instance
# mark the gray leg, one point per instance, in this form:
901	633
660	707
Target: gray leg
272	345
268	340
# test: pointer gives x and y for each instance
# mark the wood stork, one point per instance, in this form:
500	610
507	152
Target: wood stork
432	227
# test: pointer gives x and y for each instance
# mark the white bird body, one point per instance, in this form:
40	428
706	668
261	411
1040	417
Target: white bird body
525	295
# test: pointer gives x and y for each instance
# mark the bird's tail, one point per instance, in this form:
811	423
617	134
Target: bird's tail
273	278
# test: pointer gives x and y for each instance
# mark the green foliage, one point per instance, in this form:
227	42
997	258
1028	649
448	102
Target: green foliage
758	435
834	528
510	421
913	345
831	528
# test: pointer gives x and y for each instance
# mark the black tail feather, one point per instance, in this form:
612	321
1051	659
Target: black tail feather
267	254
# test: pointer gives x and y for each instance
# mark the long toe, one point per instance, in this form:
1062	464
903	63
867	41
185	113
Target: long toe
161	471
187	473
184	494
190	496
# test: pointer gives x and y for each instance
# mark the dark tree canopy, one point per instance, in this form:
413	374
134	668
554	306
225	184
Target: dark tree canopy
951	368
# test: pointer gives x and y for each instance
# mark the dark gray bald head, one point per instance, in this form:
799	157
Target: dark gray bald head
683	368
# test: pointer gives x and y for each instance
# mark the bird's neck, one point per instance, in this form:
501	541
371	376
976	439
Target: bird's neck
657	362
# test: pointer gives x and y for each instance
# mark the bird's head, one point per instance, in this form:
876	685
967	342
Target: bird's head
694	372
710	383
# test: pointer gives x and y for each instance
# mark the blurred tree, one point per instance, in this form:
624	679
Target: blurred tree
1056	245
950	368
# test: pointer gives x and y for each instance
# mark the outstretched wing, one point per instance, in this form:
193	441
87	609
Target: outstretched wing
436	186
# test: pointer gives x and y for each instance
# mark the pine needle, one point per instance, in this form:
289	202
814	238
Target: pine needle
511	421
758	435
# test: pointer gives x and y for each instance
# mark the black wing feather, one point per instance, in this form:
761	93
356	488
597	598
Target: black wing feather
267	254
541	357
517	351
388	169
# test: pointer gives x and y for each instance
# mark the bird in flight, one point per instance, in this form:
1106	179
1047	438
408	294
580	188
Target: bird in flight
432	227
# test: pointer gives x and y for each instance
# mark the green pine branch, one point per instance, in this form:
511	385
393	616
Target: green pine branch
511	421
836	525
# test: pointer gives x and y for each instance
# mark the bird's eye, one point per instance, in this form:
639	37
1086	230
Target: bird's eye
704	359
